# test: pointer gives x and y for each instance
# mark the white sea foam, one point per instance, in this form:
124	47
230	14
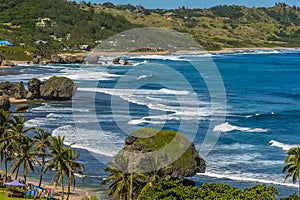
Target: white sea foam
226	127
258	114
175	92
144	77
88	74
52	115
283	146
99	142
184	108
159	57
51	108
239	177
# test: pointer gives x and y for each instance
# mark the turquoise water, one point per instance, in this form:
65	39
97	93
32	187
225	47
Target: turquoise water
167	92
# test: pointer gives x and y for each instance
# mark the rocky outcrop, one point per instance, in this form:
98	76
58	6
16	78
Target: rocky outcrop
177	156
20	92
22	107
4	102
34	85
67	59
7	63
56	59
13	90
116	61
58	88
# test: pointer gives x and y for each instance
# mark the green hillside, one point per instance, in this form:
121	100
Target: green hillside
50	26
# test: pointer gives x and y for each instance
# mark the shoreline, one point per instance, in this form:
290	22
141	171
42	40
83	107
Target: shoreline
86	54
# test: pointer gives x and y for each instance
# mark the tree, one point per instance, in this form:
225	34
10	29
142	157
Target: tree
4	126
73	167
123	181
24	154
292	166
57	151
42	139
14	139
153	175
64	161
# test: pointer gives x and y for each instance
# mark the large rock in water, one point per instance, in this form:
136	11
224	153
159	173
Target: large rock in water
22	107
20	91
58	88
176	155
4	103
16	91
34	85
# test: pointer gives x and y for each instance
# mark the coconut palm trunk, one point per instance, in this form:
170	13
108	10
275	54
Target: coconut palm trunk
69	190
62	189
6	169
298	187
42	171
17	173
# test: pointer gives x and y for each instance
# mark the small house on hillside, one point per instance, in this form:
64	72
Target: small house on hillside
5	43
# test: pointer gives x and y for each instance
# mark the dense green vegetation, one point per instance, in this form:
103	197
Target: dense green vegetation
51	26
24	152
174	189
292	165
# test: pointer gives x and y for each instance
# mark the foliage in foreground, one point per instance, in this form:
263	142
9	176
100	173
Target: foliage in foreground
292	166
174	189
24	152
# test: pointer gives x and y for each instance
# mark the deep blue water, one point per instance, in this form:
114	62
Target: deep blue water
260	123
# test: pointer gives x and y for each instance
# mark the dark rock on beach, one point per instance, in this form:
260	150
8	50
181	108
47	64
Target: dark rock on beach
4	102
58	88
22	107
177	156
34	85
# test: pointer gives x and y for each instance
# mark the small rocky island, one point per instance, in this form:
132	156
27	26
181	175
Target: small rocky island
175	154
54	89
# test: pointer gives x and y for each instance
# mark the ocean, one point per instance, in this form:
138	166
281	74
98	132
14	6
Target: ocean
242	116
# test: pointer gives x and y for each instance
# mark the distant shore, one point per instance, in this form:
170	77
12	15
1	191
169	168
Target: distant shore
86	54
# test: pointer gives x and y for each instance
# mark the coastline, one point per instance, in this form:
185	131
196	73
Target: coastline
225	50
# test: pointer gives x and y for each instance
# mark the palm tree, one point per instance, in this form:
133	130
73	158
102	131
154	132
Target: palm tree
57	161
14	140
292	166
4	126
42	139
17	126
73	167
123	181
24	154
154	173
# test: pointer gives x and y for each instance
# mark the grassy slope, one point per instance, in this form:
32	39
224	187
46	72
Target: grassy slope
215	28
238	27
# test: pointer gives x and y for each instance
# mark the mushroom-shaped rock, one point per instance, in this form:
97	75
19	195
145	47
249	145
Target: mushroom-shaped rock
4	103
174	153
58	88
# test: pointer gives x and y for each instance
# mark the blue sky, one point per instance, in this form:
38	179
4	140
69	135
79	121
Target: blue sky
197	3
